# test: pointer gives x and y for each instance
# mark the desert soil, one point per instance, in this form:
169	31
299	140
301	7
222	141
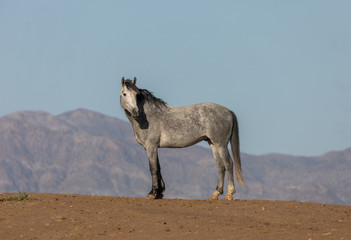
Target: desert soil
63	216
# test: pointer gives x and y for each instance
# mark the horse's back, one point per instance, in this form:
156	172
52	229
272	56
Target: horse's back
203	113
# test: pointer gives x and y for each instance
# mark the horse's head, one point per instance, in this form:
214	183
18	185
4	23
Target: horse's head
128	97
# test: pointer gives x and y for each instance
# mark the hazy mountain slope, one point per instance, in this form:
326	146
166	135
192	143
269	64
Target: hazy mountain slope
86	152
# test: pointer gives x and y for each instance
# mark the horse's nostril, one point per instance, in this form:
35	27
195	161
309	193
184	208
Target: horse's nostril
135	112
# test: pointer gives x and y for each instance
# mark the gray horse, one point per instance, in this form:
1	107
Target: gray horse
159	125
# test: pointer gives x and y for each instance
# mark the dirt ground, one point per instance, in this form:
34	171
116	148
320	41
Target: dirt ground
63	216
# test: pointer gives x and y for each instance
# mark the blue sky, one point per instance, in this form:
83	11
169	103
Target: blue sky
284	67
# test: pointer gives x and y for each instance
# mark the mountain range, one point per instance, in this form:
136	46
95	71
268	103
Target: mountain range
86	152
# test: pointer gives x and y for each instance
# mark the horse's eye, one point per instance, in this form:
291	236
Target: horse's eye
124	94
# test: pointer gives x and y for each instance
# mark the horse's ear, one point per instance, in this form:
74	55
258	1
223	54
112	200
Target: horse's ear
123	81
134	81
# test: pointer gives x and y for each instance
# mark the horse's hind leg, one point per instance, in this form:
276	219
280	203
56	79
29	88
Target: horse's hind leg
228	164
221	173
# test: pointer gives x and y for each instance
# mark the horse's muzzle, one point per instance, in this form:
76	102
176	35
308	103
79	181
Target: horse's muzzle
135	113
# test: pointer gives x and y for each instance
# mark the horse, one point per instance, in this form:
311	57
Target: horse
159	125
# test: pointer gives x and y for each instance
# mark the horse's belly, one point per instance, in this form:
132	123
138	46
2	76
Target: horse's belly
179	140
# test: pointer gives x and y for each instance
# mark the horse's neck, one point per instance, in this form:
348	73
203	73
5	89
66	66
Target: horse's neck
152	111
150	114
150	117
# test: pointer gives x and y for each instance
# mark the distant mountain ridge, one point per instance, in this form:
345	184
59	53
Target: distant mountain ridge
86	152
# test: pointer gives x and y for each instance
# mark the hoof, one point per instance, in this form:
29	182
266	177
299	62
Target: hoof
228	197
214	196
152	197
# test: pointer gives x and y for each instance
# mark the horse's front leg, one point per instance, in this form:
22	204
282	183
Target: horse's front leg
158	185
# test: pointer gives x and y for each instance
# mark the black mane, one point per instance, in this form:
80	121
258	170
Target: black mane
147	96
